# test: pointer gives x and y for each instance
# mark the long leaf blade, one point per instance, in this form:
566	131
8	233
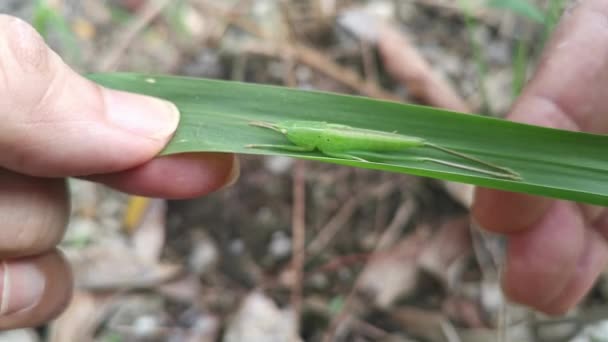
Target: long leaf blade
215	117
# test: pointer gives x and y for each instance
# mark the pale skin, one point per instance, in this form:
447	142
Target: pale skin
56	124
556	248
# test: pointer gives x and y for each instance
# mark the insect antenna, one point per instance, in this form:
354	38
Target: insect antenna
511	173
265	125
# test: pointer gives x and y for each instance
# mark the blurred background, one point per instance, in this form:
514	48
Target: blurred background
302	251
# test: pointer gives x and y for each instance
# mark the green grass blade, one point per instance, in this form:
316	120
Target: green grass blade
521	7
215	117
553	14
478	55
521	59
46	18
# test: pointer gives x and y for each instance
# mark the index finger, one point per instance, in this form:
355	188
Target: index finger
568	91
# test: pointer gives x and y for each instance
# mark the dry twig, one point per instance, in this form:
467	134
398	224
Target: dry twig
482	13
402	216
333	226
404	63
143	18
319	62
299	53
339	220
298	237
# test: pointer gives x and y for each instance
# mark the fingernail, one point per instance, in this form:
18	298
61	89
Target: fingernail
235	172
142	115
21	285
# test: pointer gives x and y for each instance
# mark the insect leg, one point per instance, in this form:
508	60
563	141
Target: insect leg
343	156
505	170
293	148
381	156
508	175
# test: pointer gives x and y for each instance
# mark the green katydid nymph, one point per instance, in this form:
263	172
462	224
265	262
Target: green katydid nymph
346	142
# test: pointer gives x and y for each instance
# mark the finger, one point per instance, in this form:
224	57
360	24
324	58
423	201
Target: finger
542	261
507	212
33	214
178	176
56	123
590	265
570	87
568	91
33	290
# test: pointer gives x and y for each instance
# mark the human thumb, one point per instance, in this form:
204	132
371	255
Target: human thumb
56	123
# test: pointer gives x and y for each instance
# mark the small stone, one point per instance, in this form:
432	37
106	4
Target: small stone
203	257
280	245
278	165
145	326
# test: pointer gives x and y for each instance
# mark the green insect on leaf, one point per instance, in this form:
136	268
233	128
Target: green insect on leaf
346	142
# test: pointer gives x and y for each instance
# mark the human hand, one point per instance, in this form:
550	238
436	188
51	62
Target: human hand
557	249
56	124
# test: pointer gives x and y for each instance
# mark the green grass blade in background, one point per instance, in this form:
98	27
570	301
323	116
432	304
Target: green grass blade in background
215	117
521	7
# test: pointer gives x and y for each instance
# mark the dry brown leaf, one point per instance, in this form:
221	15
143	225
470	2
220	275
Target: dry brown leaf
450	244
393	273
429	325
260	319
81	319
185	289
114	265
149	238
406	64
461	193
464	311
20	335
